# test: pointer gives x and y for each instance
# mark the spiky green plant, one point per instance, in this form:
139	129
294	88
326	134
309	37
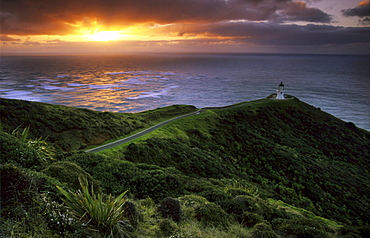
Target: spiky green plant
100	213
43	149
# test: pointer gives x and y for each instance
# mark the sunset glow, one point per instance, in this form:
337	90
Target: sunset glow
106	36
304	26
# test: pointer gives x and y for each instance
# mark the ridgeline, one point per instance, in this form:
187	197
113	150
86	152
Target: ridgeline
273	168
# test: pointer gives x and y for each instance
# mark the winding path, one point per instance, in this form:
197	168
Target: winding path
150	129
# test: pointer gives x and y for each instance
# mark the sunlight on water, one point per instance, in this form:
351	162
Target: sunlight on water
338	85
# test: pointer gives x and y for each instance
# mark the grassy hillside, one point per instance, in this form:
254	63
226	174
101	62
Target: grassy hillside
265	168
71	128
298	153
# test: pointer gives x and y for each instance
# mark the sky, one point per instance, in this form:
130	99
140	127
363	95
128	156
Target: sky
126	26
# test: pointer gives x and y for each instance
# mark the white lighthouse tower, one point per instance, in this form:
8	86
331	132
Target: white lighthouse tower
280	91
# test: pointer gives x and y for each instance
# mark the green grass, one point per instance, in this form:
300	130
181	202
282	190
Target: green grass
175	129
303	212
288	167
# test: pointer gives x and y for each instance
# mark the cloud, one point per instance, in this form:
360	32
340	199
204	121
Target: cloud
7	38
277	34
32	17
298	11
362	10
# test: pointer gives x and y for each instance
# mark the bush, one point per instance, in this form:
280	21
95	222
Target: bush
17	186
85	160
68	172
211	214
132	213
15	152
301	227
263	230
218	196
192	200
167	227
170	208
250	219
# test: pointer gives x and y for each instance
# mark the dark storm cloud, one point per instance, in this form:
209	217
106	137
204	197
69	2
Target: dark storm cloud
298	11
275	34
361	10
60	17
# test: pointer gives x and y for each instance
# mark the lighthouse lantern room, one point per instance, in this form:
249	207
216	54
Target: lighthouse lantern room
280	91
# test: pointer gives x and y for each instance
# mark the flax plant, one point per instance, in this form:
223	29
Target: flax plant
43	149
100	213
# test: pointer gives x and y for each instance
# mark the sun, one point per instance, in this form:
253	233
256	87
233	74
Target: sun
107	36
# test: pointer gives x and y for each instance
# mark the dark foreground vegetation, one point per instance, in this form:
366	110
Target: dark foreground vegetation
261	169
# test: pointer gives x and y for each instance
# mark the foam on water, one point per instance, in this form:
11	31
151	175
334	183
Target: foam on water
62	76
136	80
76	84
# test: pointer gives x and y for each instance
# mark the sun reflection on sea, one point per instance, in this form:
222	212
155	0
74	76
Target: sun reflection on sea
112	91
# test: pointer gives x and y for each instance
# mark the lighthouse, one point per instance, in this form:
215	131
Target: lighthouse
280	91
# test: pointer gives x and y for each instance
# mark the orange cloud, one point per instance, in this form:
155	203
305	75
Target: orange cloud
7	38
34	17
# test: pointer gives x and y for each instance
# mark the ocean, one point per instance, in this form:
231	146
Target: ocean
338	84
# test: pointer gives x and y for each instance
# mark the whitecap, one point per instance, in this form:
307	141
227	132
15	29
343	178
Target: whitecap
49	87
168	73
6	83
103	86
75	84
135	80
22	95
62	76
116	73
17	93
152	94
43	79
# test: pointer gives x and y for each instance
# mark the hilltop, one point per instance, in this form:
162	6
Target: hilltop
278	168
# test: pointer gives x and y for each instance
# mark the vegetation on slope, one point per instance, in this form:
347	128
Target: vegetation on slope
71	128
262	169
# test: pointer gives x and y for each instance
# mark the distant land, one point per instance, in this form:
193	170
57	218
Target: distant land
265	168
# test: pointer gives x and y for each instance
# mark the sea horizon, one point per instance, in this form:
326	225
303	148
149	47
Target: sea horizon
338	84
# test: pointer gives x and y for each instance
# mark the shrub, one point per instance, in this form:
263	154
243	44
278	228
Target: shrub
45	151
17	186
188	204
15	152
104	214
211	214
263	230
192	200
170	208
85	160
250	219
301	227
167	227
218	196
132	213
68	172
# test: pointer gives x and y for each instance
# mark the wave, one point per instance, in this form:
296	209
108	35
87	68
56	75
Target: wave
75	84
135	80
153	94
23	95
62	76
